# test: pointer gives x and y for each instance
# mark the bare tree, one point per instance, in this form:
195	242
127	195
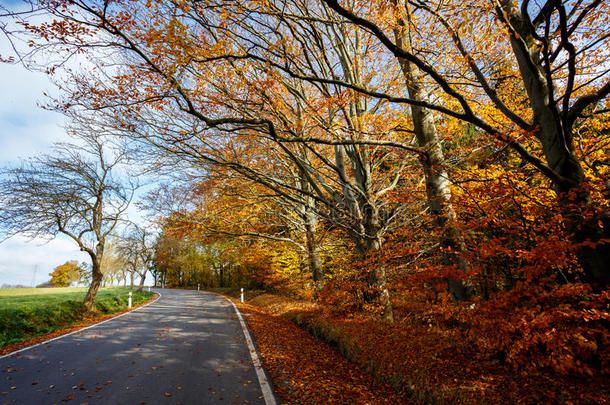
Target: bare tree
137	248
73	191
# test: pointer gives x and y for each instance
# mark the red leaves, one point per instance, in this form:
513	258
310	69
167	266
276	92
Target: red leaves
307	371
426	354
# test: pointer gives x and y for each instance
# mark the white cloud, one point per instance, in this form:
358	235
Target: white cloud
22	259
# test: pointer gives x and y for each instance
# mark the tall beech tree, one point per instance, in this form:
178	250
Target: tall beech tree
432	159
74	191
556	53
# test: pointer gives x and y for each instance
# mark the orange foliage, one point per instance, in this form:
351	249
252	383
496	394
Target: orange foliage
306	119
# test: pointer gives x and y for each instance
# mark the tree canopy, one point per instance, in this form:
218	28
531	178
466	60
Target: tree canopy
65	274
438	158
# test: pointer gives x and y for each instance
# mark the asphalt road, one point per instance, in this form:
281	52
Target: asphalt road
187	347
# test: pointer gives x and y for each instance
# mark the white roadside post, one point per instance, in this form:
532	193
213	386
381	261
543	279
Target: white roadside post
129	303
197	286
242	296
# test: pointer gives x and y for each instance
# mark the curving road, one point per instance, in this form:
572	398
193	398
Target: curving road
187	347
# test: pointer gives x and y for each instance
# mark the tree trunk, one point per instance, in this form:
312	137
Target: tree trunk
556	137
361	202
131	277
310	220
142	280
384	294
96	280
313	254
377	278
433	163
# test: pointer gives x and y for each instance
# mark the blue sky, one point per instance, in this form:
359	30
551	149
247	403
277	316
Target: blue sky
26	129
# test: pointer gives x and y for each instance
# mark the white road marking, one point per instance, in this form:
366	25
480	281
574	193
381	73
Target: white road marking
262	379
79	330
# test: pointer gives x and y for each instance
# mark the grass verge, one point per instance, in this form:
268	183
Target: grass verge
30	313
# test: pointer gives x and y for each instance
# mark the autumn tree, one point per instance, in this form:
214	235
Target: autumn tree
343	181
75	191
231	215
554	53
65	274
180	262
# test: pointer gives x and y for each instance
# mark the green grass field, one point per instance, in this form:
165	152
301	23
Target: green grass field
29	312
